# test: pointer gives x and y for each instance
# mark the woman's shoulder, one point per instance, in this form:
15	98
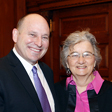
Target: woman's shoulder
106	86
105	97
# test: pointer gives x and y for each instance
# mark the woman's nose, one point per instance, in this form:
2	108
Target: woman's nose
81	60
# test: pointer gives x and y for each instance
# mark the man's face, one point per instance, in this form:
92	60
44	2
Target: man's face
32	40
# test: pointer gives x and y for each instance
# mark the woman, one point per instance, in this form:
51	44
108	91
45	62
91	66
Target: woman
84	90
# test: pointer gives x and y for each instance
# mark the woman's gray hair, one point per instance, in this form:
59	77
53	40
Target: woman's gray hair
77	37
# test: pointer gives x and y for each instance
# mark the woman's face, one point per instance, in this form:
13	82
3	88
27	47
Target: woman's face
82	60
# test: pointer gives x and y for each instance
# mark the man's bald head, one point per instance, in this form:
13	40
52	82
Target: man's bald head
31	17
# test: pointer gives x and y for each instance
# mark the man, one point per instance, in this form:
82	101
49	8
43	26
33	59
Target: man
17	86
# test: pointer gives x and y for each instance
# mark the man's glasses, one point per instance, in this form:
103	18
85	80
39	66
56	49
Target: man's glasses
85	55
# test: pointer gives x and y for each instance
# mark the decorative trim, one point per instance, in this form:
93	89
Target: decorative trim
62	4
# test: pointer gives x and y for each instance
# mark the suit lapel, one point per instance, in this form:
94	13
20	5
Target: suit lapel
48	74
22	75
72	98
93	100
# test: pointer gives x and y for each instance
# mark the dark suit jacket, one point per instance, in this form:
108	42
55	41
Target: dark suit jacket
17	93
101	102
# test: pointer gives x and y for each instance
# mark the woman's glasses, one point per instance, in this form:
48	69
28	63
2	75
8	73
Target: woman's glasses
85	55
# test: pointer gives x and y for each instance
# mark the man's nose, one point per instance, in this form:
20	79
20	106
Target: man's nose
38	41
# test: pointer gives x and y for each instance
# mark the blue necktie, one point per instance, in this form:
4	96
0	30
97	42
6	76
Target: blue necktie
40	91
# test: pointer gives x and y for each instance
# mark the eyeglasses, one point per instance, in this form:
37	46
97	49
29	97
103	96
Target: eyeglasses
85	55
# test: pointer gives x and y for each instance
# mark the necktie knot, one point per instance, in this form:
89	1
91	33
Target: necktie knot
34	70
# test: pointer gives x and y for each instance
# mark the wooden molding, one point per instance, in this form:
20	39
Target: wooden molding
61	4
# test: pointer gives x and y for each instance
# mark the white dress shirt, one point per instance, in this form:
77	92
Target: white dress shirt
28	67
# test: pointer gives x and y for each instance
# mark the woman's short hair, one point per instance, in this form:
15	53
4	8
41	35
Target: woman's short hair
77	37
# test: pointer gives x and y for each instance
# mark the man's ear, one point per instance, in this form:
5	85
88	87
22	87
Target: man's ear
15	35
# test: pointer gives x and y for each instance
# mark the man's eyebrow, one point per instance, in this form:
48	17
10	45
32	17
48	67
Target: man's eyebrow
32	32
37	33
45	35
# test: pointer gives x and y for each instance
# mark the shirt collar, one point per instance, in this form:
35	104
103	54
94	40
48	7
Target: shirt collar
27	66
95	84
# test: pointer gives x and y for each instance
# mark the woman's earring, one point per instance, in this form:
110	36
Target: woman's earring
94	66
68	72
94	69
